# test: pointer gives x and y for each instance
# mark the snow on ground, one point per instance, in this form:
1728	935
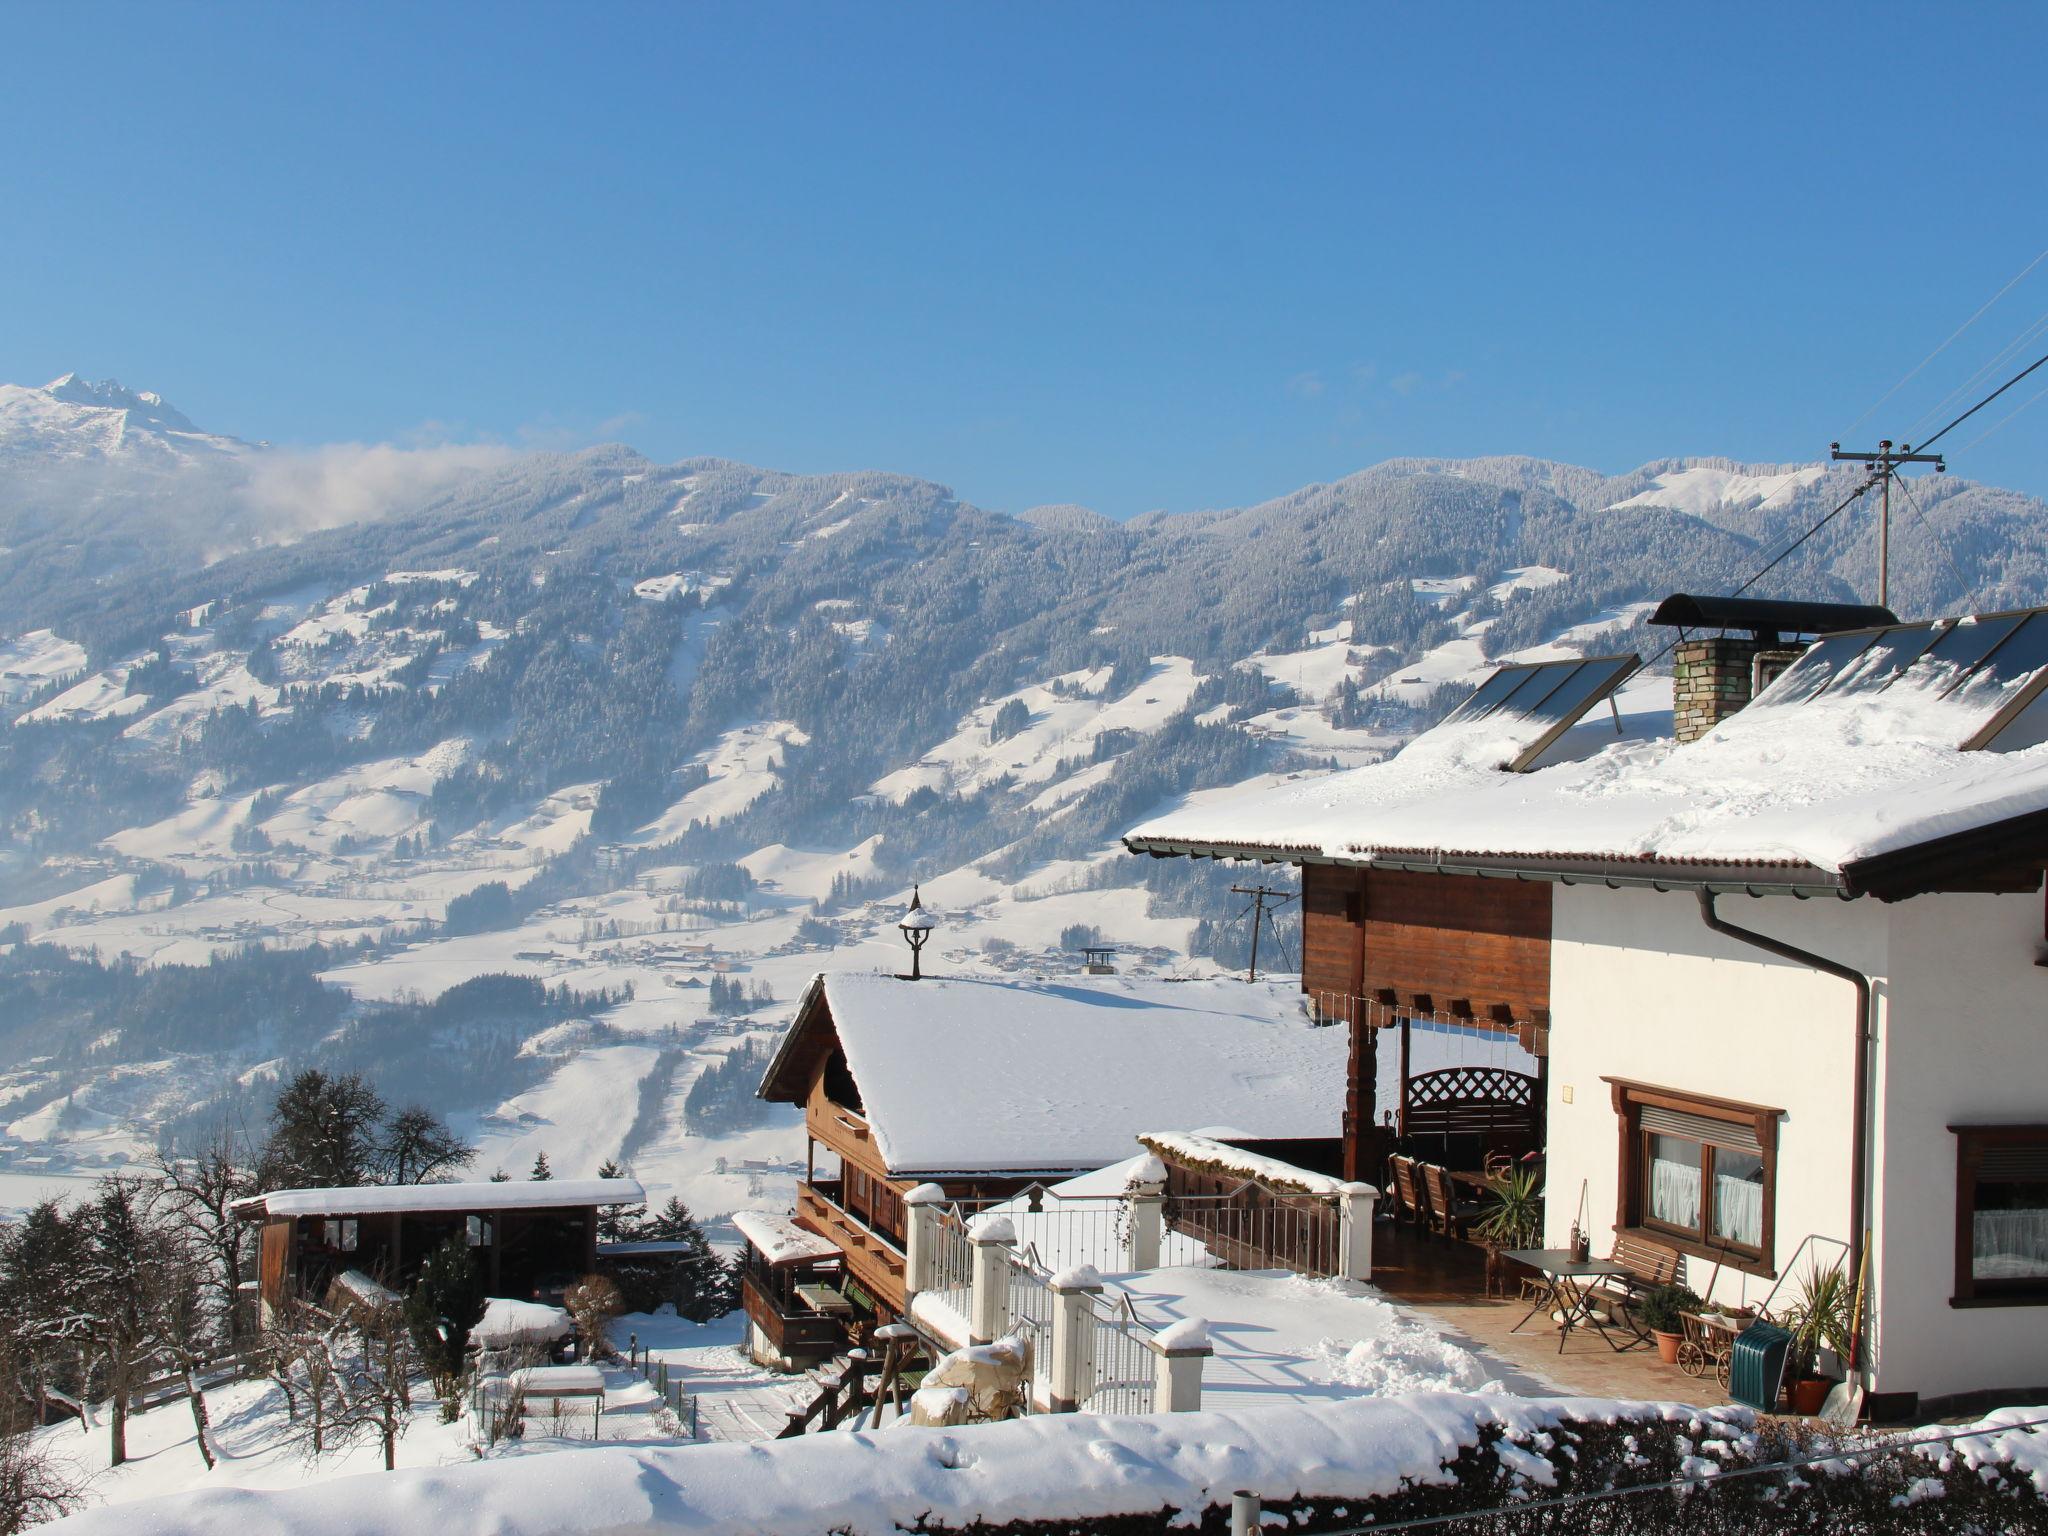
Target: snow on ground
1525	578
1315	671
1704	489
736	1399
31	662
742	764
103	696
808	873
224	680
1054	1468
1281	1338
658	589
1442	591
20	1192
250	1423
115	894
1063	725
578	1115
1597	635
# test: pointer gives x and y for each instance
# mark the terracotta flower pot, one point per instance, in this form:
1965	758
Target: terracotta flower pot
1667	1345
1809	1394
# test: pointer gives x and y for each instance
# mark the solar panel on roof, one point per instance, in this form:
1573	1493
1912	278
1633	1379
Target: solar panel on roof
1543	699
1992	667
1878	665
1816	669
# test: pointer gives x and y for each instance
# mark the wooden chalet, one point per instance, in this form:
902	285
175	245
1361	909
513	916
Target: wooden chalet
531	1238
984	1087
1754	959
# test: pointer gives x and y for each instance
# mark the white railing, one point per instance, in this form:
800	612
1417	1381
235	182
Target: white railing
1083	1351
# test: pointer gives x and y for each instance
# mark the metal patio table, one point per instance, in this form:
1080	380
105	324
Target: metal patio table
1569	1292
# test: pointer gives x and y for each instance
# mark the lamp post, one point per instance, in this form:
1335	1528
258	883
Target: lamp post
916	927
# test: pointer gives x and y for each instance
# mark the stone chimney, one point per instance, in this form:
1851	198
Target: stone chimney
1711	680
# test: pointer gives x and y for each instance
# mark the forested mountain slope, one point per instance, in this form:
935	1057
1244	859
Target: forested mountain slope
626	729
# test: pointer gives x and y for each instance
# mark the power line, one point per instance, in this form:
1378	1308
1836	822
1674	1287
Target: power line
1259	895
1914	371
1962	582
1973	410
1839	507
2008	416
1988	369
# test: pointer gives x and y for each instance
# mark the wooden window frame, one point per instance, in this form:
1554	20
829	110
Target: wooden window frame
1632	1162
1971	1140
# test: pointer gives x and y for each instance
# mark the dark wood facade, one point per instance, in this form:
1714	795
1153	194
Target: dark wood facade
862	1210
1464	945
524	1253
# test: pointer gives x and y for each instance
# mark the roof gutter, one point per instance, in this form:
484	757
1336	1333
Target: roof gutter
1804	882
1859	1132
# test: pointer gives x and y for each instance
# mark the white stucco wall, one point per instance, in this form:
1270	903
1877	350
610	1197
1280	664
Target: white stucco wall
1969	1045
1640	989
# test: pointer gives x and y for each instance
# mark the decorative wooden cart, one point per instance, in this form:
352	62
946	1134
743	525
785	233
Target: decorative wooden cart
1709	1342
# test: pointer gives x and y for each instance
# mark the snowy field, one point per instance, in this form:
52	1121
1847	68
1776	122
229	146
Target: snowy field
736	1401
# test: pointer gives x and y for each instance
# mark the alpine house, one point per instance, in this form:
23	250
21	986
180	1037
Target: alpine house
984	1087
1779	955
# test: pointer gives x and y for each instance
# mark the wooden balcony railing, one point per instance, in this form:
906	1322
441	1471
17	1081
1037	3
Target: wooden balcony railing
872	1260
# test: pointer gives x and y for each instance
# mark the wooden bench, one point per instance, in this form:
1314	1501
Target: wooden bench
1641	1265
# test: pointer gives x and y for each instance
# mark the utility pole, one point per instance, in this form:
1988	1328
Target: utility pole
1886	461
1260	894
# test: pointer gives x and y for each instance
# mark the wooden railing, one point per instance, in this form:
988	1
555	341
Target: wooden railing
843	1391
872	1260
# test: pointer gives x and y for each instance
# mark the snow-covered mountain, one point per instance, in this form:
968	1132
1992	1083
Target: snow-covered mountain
541	796
71	419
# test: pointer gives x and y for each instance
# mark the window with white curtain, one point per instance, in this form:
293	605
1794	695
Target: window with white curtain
2001	1214
1697	1173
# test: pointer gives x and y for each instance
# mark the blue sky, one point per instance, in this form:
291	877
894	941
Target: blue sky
1131	256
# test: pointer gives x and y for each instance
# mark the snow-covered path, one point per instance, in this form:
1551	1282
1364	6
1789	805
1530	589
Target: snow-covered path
736	1399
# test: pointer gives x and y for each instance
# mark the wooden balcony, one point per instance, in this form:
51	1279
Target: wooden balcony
872	1261
800	1335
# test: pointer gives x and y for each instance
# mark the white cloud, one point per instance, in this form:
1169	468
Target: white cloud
301	490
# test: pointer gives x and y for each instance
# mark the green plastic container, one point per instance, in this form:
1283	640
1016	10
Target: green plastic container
1756	1366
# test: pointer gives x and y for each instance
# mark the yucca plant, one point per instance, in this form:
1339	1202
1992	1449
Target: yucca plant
1513	1217
1819	1319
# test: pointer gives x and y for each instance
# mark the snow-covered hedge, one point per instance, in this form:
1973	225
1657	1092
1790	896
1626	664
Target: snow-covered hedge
1325	1467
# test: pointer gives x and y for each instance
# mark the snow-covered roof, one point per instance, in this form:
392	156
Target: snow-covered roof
1814	785
512	1194
508	1321
1050	1075
780	1240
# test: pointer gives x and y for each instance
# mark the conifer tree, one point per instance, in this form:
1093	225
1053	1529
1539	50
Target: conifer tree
541	1170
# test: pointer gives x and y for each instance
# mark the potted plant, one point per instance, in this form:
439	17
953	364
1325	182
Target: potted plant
1662	1311
1818	1320
1512	1216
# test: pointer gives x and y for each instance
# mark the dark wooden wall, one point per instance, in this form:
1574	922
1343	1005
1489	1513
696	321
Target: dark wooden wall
1332	914
1461	941
1451	938
1459	938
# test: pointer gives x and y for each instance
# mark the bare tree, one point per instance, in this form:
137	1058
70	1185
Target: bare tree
299	1351
202	1190
182	1320
34	1485
418	1148
379	1378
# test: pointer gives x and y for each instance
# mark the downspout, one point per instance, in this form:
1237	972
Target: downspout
1859	1133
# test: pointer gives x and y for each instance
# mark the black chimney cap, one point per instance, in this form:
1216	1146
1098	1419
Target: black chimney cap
1768	616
